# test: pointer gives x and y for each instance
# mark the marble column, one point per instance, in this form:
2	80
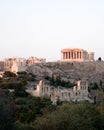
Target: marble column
69	55
80	55
72	54
66	55
76	54
63	55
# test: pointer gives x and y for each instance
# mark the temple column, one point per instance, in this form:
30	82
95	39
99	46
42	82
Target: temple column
69	55
80	55
72	54
76	54
66	55
63	55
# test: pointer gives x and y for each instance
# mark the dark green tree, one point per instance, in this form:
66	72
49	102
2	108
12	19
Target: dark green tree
6	114
9	74
99	59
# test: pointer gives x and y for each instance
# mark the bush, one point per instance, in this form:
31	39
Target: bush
6	114
21	126
69	116
9	74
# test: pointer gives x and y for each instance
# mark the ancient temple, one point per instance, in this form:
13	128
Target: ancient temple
76	54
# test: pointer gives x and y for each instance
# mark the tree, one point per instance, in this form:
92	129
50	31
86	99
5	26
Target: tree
9	74
70	116
6	114
99	59
19	90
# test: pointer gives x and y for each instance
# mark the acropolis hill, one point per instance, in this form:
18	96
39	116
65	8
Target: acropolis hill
93	71
75	64
77	67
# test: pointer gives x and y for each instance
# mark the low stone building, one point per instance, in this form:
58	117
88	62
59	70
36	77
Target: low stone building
77	93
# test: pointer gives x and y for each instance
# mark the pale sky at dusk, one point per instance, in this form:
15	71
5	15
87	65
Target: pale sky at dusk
41	28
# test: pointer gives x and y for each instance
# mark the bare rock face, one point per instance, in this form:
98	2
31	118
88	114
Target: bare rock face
93	71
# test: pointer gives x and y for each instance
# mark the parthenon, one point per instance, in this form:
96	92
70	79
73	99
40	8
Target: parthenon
76	54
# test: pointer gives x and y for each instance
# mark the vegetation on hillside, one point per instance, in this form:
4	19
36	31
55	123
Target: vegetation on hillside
21	111
58	82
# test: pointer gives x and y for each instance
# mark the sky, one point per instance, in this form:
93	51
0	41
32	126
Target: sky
42	28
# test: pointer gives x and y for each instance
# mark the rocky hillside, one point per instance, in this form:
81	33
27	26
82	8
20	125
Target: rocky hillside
93	71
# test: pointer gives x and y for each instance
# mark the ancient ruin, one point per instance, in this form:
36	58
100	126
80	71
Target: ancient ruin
76	54
77	93
33	60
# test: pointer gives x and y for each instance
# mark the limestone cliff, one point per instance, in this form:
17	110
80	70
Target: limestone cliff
93	71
